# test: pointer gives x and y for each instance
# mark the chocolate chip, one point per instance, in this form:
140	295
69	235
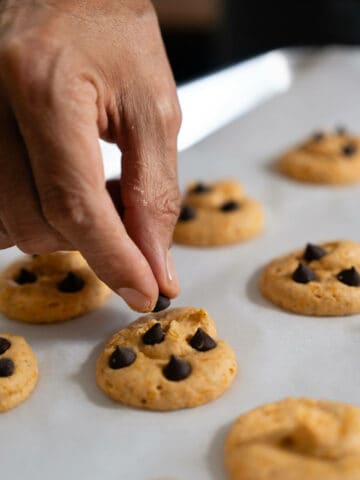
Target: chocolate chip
155	334
187	213
162	303
7	367
229	206
313	252
121	357
303	274
340	130
350	277
201	188
71	283
25	276
177	369
349	149
317	136
201	341
4	345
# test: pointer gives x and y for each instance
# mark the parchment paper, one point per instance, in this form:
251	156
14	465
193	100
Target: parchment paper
68	429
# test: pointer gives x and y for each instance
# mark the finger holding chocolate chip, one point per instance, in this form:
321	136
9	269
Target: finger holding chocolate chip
68	78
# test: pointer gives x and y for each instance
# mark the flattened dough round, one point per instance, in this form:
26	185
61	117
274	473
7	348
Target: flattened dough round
41	301
295	439
215	224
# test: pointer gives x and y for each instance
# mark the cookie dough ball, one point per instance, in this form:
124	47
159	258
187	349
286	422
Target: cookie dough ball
217	213
18	371
295	439
327	158
316	280
50	288
166	361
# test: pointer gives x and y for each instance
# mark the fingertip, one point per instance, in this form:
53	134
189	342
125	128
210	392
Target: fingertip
136	300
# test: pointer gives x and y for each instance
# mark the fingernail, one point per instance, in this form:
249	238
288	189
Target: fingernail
136	300
171	270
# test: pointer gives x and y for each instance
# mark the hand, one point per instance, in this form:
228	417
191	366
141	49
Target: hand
72	71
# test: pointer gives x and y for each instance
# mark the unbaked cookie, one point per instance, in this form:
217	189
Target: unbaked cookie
217	213
166	361
316	280
18	371
295	439
50	288
327	157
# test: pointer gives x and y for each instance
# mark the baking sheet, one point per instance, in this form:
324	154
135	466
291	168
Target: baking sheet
69	429
231	92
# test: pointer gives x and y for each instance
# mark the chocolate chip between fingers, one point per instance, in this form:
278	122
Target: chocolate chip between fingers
303	274
4	345
177	369
121	357
202	341
7	367
162	303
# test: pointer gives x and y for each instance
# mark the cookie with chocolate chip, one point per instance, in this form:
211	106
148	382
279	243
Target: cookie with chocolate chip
326	157
166	361
217	213
321	280
18	371
50	288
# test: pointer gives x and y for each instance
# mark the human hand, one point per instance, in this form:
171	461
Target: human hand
72	71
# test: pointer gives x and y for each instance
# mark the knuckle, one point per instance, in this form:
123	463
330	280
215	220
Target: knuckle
65	209
166	206
167	113
160	198
17	61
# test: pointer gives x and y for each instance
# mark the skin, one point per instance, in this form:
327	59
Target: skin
72	71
